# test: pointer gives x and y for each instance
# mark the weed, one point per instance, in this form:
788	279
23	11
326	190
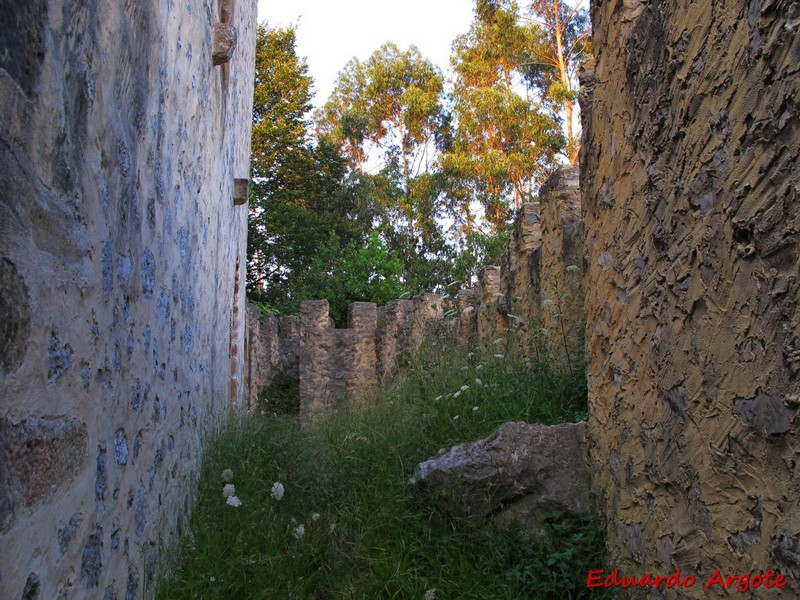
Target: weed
326	512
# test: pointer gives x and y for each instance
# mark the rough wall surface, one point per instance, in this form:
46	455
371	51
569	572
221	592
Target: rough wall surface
560	265
271	346
120	250
691	176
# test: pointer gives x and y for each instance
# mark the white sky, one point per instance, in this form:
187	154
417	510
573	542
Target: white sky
331	32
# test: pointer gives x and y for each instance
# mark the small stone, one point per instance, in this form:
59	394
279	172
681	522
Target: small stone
223	43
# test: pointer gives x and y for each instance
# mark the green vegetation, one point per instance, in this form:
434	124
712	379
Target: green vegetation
350	527
435	169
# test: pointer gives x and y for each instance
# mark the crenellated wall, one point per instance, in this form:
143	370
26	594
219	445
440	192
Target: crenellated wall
691	181
124	157
508	301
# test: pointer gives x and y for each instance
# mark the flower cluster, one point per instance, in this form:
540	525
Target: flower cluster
229	490
277	490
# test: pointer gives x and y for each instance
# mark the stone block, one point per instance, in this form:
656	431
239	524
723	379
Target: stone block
36	457
241	191
526	471
223	43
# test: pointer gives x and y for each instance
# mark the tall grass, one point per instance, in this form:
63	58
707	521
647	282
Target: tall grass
365	533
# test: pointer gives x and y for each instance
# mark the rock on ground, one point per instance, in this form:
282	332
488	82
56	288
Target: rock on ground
520	473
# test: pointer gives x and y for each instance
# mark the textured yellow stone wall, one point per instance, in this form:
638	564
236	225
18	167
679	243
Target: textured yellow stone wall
691	182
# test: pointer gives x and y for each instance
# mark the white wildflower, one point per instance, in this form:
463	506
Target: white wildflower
455	418
478	381
479	367
430	594
474	408
315	516
464	388
228	491
277	490
572	268
457	394
467	309
465	368
227	475
499	355
546	303
299	531
233	501
470	354
212	579
331	527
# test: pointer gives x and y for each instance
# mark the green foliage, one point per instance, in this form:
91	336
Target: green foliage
301	192
392	104
432	159
502	142
480	249
366	533
550	65
345	273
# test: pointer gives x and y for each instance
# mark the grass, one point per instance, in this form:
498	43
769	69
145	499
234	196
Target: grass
367	534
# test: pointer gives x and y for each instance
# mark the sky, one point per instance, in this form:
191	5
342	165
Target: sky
331	32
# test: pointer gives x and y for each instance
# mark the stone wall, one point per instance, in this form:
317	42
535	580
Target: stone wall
691	177
123	155
536	294
271	346
347	365
537	287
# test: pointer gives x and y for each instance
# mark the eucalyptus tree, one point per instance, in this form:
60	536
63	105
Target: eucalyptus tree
390	105
503	142
563	41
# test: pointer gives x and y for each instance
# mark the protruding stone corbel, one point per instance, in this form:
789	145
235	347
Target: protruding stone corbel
241	189
223	43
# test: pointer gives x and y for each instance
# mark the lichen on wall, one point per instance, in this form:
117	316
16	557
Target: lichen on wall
691	181
119	245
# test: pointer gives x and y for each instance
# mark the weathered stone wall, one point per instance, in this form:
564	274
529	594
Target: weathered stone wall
121	253
560	266
394	322
522	266
691	177
271	347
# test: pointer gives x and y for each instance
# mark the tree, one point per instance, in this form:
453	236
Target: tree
553	61
352	272
300	192
502	142
391	103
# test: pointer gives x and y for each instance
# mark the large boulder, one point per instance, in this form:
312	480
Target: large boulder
520	473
